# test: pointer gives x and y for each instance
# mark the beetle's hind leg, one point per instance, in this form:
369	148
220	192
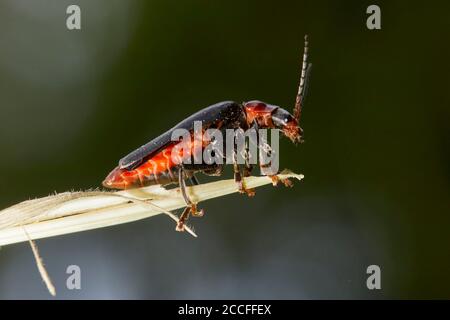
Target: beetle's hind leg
191	208
182	219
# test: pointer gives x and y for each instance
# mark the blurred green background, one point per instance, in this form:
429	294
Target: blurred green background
376	157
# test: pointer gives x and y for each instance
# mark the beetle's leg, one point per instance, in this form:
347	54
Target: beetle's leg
182	184
182	219
239	179
247	171
266	168
191	208
276	179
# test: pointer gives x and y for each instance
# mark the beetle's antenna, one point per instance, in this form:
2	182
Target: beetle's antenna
306	68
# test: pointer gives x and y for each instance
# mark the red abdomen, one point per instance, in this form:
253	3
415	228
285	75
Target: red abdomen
159	169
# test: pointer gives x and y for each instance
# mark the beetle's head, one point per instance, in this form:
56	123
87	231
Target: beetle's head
286	122
273	117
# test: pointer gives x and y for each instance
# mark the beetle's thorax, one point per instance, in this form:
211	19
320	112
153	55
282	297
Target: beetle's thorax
260	112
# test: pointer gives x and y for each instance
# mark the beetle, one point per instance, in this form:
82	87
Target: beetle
152	163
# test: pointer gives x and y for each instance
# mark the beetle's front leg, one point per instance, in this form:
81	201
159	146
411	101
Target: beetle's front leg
276	180
266	168
191	208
